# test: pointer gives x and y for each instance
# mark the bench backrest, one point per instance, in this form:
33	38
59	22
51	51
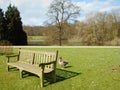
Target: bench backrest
37	57
26	56
45	57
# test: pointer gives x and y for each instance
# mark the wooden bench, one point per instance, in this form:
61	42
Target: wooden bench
36	62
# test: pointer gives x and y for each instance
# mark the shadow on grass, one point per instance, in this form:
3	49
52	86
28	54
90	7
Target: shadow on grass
64	74
1	54
68	66
61	75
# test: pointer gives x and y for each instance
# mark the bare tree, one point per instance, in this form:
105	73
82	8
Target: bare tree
116	19
62	12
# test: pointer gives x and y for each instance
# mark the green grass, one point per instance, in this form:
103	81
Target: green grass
36	37
88	69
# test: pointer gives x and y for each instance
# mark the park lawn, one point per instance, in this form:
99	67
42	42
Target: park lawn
88	69
36	37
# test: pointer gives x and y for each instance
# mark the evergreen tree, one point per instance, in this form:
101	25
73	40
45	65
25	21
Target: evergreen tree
15	33
2	25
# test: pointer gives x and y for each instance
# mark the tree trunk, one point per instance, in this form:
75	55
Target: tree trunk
60	36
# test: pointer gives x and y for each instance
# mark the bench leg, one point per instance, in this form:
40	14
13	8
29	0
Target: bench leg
54	76
21	76
42	80
8	68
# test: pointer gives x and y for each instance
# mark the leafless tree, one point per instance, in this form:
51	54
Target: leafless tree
115	16
62	12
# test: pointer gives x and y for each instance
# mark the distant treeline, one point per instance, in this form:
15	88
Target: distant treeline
34	30
98	29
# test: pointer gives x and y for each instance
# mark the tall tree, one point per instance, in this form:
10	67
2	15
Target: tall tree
2	25
15	33
116	19
60	13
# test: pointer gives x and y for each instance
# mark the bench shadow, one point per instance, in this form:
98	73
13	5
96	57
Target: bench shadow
13	69
61	75
65	74
68	66
1	54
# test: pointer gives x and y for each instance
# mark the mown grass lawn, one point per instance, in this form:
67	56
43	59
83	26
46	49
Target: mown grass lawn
36	37
88	69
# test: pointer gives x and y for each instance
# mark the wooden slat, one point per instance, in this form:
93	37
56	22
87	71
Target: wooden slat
26	56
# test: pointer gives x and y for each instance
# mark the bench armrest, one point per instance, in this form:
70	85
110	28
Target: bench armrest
16	55
9	56
43	64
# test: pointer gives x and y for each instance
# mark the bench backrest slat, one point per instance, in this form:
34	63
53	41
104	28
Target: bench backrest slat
44	57
26	56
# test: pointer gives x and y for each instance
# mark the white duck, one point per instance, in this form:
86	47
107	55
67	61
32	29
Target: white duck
62	62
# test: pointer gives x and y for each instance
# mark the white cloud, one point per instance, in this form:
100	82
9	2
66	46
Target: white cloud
33	12
110	8
33	21
17	2
3	4
1	1
96	6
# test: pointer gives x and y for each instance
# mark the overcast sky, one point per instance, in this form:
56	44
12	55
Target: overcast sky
33	12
